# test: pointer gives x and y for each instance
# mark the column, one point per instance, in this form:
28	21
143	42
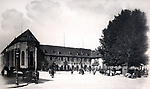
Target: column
35	58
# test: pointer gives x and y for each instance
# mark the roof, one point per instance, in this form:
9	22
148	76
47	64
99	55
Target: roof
50	50
26	36
95	54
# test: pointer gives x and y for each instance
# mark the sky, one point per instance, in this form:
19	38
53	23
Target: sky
70	23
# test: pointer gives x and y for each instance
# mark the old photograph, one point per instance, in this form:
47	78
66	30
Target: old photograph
74	44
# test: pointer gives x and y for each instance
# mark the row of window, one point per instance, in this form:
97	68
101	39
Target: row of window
69	53
70	59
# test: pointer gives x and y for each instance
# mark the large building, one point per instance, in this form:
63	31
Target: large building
25	51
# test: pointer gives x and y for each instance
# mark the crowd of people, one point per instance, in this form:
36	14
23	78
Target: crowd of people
109	72
81	70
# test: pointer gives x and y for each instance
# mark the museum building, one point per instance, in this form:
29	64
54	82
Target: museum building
25	51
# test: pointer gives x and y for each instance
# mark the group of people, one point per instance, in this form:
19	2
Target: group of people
52	69
81	70
51	72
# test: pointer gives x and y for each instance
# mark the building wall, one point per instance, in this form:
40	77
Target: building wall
8	58
68	61
65	56
79	57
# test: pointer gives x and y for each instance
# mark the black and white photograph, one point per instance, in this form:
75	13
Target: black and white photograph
74	44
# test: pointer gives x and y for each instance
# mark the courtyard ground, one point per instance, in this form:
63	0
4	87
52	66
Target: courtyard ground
66	80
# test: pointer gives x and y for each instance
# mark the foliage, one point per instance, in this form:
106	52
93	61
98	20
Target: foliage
124	41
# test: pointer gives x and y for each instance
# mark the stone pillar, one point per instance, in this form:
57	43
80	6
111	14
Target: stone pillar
35	58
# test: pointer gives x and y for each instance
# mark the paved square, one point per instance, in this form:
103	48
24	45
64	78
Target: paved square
66	80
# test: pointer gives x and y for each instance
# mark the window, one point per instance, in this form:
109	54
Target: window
59	52
87	54
22	57
82	53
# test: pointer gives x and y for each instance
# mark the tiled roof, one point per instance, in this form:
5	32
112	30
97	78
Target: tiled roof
65	51
26	36
95	54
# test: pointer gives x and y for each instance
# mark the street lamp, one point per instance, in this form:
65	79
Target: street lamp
17	57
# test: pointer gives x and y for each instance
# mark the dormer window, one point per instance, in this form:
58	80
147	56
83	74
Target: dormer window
59	52
70	53
87	54
82	53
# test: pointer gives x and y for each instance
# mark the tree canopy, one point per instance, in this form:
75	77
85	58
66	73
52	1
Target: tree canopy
125	40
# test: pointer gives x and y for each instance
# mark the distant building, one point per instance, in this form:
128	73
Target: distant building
25	51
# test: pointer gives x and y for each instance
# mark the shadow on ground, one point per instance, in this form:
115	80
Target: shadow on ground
11	81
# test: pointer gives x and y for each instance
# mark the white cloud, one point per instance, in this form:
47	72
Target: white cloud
100	7
45	11
12	25
13	21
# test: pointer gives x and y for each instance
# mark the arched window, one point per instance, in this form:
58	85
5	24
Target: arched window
23	58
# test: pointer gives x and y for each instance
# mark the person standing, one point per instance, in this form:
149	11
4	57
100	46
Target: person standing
53	69
52	73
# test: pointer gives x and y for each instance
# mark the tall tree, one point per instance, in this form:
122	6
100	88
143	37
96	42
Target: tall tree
124	40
